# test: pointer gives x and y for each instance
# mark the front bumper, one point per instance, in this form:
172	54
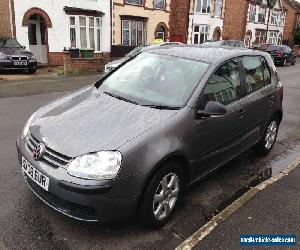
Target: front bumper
9	65
86	200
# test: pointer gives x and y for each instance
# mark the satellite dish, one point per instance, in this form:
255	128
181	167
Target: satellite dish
272	3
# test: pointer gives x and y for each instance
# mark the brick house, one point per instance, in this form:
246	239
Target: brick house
292	20
138	22
206	20
179	20
253	22
6	18
46	27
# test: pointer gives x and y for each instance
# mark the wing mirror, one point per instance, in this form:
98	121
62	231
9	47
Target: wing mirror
212	109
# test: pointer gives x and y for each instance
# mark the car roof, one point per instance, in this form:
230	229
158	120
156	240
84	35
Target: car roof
206	54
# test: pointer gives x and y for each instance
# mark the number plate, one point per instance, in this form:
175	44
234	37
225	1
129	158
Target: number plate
35	175
20	63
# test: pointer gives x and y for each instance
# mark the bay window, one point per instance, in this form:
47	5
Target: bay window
203	6
85	32
200	34
134	32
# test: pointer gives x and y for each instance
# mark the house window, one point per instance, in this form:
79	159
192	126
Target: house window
85	32
203	6
218	8
252	13
274	38
260	36
200	34
277	18
134	33
261	15
159	4
134	2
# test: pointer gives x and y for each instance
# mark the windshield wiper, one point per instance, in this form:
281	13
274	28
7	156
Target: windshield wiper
120	97
162	107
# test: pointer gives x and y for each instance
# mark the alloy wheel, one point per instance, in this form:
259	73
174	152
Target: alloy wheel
271	135
165	196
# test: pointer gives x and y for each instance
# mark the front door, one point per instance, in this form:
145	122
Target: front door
218	139
37	38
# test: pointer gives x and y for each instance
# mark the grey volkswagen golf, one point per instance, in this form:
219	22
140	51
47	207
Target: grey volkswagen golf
129	144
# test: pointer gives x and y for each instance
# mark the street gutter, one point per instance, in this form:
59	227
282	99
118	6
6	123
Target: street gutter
205	230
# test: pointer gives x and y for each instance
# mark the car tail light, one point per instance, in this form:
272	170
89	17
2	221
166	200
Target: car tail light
280	53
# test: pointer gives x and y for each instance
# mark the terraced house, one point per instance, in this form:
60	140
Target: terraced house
138	22
46	27
205	20
253	21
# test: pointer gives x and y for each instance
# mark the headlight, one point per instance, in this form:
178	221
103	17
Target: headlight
96	166
3	57
26	127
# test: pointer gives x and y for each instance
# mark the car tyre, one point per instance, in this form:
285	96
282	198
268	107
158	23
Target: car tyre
266	143
294	62
284	63
161	196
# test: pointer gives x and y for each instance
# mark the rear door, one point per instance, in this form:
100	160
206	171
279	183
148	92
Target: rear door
260	95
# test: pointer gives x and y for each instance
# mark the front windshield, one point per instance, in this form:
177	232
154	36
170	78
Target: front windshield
134	52
9	43
153	79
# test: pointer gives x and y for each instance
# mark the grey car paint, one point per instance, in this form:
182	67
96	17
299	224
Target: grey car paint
88	121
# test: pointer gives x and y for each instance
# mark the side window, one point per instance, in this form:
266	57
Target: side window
266	71
253	73
224	85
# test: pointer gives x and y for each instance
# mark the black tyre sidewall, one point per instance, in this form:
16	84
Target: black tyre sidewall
146	215
260	147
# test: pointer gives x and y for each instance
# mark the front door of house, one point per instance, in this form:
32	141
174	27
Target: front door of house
37	38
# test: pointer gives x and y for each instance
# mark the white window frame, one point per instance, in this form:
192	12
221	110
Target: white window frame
262	12
144	32
77	31
274	37
203	29
252	13
207	9
218	3
157	8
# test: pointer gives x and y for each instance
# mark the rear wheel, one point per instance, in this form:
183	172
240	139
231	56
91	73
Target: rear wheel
266	143
161	195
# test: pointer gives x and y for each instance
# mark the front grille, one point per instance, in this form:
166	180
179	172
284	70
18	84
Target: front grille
72	209
19	58
50	156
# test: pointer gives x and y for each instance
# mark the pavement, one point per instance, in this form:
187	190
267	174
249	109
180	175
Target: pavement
27	223
269	208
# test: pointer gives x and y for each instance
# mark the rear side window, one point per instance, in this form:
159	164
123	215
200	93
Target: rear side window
224	85
266	71
254	73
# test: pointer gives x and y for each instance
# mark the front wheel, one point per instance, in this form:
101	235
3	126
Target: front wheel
161	196
266	143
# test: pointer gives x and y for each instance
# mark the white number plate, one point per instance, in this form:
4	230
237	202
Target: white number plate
35	175
20	63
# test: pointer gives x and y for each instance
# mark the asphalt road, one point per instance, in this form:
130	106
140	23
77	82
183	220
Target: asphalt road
26	223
